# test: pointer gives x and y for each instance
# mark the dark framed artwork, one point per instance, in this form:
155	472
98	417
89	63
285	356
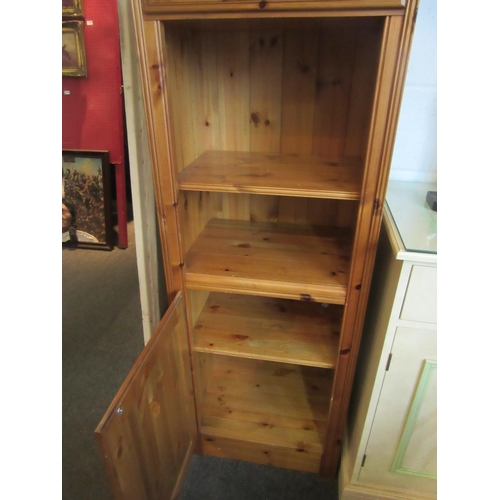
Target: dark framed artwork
74	62
86	214
72	8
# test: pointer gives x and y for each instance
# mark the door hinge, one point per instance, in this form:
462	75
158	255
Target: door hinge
387	366
363	461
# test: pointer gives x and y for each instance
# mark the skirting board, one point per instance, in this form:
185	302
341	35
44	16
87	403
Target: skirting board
348	491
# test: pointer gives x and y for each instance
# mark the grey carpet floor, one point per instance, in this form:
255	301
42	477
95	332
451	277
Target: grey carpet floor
102	337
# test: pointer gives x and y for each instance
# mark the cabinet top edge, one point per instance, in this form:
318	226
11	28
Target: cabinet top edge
287	8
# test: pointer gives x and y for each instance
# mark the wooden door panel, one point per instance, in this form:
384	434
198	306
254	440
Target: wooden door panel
149	431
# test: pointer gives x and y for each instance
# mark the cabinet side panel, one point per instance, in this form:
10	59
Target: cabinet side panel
383	289
393	60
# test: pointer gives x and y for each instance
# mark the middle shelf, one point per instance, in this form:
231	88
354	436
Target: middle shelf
264	328
291	261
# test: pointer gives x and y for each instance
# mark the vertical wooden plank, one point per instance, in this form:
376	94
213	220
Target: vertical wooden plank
322	212
141	178
235	206
362	95
175	83
299	87
196	208
119	462
266	73
181	46
264	208
335	70
209	89
293	210
233	92
347	214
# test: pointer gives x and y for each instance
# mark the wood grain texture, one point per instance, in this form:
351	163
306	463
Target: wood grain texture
302	333
366	61
331	177
367	133
258	406
234	89
152	51
149	430
180	9
299	88
266	58
271	85
333	86
278	260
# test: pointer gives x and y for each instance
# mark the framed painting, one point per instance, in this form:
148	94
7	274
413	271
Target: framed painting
86	214
72	8
73	49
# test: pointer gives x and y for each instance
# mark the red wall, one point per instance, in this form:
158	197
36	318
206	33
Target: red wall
92	115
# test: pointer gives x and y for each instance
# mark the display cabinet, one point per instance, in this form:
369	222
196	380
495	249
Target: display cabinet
271	130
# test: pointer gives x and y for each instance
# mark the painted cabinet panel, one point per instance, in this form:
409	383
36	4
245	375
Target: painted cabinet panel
391	440
420	302
417	450
401	448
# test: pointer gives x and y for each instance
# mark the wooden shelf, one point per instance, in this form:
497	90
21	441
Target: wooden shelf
276	413
271	329
291	261
274	174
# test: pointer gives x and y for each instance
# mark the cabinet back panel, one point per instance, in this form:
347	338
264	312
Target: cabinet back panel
289	86
197	208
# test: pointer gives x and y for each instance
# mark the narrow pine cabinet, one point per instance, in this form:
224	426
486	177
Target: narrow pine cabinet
271	127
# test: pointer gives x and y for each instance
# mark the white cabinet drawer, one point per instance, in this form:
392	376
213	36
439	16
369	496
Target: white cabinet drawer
420	302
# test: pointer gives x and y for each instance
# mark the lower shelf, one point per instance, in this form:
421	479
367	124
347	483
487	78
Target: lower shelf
264	412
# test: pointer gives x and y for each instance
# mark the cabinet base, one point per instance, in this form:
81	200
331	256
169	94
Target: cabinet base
349	491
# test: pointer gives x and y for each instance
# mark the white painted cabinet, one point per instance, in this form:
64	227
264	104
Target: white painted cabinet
390	445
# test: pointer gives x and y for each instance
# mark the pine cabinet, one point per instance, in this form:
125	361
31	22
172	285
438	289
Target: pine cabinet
271	130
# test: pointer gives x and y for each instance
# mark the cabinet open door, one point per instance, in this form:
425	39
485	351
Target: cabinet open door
149	431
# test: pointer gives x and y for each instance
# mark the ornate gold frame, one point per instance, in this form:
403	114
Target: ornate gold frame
76	10
76	29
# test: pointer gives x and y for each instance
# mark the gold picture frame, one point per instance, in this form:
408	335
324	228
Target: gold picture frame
72	8
74	62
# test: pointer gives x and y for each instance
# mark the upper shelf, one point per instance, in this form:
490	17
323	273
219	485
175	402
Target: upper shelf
274	174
